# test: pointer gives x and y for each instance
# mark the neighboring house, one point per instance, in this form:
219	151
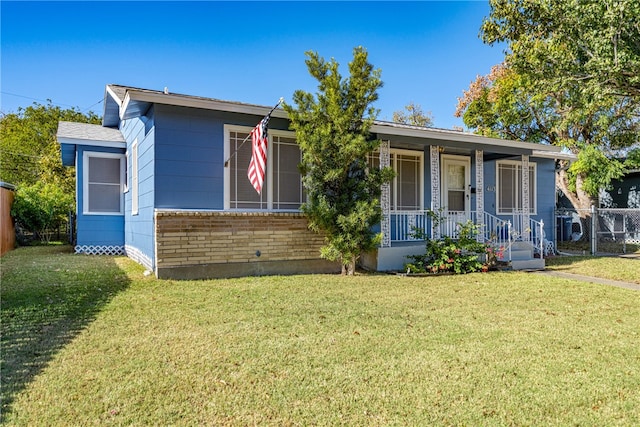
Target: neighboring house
624	192
152	184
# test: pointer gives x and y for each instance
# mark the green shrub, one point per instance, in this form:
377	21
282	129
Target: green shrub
41	207
447	255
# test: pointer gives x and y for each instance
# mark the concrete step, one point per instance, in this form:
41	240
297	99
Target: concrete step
520	245
521	254
529	264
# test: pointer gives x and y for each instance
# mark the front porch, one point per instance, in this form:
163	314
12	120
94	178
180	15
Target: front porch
520	239
501	186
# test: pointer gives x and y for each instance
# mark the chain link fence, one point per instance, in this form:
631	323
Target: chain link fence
598	231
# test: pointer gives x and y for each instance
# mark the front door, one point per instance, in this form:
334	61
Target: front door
455	192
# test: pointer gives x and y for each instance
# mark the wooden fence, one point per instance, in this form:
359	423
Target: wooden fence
7	228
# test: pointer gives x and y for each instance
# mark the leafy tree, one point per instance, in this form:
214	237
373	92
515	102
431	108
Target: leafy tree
41	207
593	43
29	152
332	129
570	79
506	104
413	115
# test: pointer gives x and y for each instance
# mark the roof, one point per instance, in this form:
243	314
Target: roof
457	139
71	134
124	102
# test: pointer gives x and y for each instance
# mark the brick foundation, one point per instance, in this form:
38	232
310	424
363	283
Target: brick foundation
196	245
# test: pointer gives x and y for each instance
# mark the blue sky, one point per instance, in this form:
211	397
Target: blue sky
250	52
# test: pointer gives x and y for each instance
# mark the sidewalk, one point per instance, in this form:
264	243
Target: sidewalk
608	282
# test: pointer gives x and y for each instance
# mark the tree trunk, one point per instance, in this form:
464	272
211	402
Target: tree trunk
580	200
349	269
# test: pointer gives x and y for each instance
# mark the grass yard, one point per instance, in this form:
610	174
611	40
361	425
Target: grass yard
91	340
614	268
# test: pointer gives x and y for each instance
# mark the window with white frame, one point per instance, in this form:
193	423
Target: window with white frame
509	187
406	187
103	177
282	187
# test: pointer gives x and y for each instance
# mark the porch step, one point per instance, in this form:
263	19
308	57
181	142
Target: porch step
521	251
522	257
528	264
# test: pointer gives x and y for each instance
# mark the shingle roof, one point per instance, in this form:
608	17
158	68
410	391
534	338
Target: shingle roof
88	132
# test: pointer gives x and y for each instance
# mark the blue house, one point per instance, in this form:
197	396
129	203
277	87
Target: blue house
153	182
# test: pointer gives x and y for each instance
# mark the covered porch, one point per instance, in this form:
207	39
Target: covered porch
492	183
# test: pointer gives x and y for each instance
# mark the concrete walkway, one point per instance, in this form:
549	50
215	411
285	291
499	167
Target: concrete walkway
608	282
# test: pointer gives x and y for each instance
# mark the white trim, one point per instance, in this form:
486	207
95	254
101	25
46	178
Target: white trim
113	94
127	171
85	181
135	179
533	183
466	160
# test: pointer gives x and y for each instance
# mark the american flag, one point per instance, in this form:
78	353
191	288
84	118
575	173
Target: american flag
258	163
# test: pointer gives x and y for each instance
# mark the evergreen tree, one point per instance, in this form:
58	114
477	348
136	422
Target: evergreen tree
332	129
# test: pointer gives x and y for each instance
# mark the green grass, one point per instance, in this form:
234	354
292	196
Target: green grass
614	268
481	349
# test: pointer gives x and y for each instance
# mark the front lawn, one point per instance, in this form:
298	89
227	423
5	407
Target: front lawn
91	340
613	268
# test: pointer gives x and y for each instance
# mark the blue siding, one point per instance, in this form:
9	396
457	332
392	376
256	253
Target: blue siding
95	230
189	155
546	194
139	229
545	191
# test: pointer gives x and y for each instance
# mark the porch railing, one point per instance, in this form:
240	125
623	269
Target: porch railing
498	232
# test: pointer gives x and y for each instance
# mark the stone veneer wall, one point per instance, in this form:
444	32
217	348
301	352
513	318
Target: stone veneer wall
197	245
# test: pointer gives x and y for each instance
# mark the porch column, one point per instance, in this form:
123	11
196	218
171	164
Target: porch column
480	194
434	152
385	196
525	198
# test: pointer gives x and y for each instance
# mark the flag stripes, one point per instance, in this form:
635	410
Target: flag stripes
258	163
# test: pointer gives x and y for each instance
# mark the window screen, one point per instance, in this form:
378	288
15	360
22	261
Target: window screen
243	195
104	184
287	182
510	188
406	187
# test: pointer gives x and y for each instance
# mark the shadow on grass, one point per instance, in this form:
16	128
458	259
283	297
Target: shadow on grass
49	295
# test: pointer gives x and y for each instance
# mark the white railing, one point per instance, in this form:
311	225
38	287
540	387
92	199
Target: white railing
403	224
537	238
499	233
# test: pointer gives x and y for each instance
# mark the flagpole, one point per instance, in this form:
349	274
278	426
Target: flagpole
226	163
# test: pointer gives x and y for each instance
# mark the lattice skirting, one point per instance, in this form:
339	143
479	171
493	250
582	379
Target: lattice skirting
99	250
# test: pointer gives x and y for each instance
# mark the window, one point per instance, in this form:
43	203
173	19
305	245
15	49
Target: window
406	187
282	187
287	182
509	187
103	177
134	178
